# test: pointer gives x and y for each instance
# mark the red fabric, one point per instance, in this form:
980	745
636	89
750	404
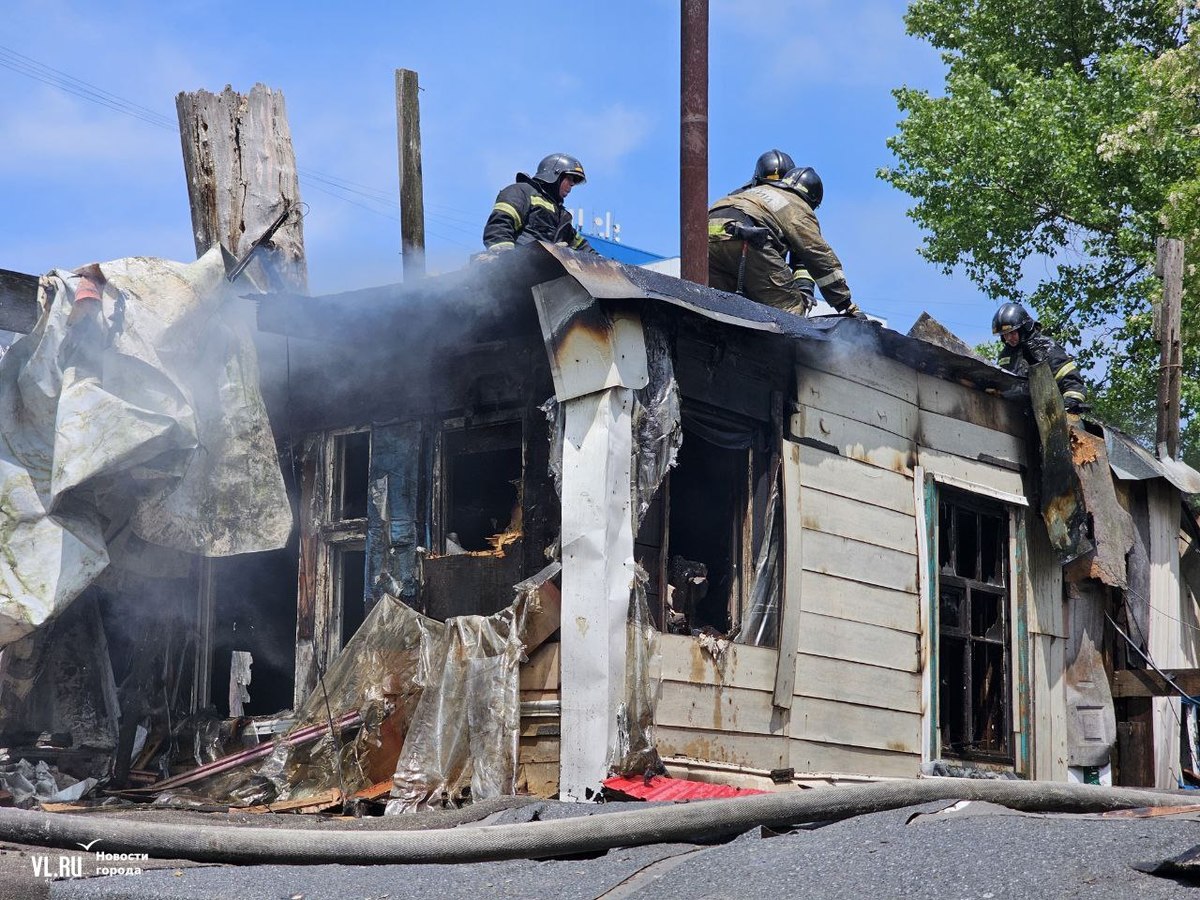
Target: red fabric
675	789
87	290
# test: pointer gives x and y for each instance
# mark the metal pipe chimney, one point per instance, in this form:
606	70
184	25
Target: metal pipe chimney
693	141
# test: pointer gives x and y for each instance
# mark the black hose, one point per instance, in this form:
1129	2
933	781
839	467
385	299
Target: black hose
677	823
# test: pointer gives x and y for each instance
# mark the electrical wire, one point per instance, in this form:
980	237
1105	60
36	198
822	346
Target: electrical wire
85	90
31	68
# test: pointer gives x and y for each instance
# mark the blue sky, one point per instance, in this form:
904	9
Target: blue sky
502	85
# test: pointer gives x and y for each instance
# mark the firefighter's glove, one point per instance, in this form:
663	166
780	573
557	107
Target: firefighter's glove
1075	406
852	311
491	254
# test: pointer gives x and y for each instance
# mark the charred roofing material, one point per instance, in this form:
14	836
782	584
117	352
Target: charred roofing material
498	289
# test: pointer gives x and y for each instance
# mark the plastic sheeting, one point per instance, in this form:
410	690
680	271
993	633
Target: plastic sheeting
381	673
657	428
635	752
31	784
657	433
761	625
140	409
465	729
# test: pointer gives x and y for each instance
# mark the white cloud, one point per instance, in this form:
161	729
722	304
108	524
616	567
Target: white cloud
818	42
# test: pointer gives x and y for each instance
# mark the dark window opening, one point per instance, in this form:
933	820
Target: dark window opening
350	571
483	477
254	610
707	491
974	659
353	462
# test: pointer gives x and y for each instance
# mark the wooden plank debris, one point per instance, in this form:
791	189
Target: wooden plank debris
1148	683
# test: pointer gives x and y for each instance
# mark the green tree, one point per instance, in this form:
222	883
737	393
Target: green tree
1066	140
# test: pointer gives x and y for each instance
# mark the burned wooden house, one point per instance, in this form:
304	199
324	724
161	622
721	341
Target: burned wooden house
835	535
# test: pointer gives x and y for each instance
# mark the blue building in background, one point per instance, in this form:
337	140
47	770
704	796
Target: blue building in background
622	253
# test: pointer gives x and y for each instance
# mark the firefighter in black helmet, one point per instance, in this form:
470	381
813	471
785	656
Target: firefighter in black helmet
1025	346
531	209
785	209
771	166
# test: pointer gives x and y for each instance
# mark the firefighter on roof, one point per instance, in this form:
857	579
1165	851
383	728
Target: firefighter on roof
784	208
1025	346
531	209
771	166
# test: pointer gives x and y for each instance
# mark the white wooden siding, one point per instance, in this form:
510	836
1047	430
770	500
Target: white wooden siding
852	613
1172	620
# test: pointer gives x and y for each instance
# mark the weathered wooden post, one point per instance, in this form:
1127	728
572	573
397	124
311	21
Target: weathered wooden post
412	198
241	174
1169	267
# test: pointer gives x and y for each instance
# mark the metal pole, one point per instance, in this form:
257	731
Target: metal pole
693	141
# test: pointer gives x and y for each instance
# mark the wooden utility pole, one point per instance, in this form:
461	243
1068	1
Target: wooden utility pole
693	141
241	175
1169	267
412	194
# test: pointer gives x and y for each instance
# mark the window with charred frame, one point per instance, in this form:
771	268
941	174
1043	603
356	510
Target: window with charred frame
703	532
346	532
478	520
975	717
481	473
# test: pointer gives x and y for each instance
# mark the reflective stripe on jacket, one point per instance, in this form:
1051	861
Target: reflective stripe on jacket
796	231
1039	348
524	213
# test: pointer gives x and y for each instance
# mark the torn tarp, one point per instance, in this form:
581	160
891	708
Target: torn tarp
463	739
657	431
635	751
31	784
134	400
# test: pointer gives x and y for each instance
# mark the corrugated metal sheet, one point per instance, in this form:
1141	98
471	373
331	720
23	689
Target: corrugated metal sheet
1131	462
674	789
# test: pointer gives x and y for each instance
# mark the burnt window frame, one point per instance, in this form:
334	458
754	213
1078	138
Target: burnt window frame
443	487
948	574
759	463
443	475
339	534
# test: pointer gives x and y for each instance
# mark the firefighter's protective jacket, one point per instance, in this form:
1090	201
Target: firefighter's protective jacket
525	212
796	231
1039	348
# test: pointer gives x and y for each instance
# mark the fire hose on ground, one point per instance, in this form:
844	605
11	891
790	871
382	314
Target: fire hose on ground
703	822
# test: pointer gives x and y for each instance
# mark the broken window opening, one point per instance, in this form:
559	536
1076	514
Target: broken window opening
247	603
478	519
974	606
352	464
350	595
702	512
482	472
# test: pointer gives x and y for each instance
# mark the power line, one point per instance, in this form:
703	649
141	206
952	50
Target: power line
25	65
85	90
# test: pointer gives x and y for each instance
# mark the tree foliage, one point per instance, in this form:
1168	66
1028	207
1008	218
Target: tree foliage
1066	141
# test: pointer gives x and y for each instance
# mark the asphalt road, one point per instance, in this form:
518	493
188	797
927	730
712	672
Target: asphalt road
976	854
